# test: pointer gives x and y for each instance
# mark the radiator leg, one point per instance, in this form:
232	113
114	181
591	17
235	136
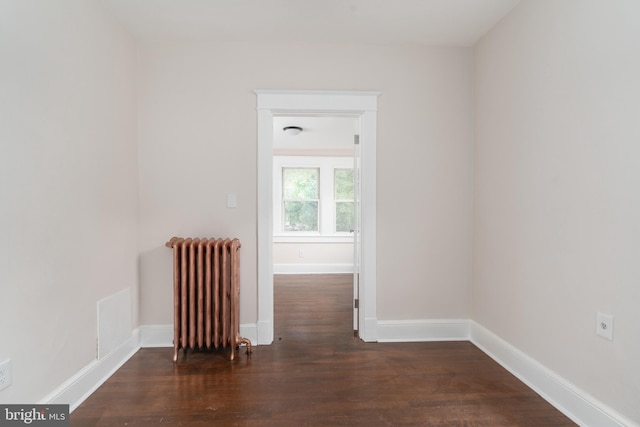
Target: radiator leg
245	341
240	340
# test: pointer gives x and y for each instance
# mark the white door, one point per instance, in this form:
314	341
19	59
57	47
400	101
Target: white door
356	231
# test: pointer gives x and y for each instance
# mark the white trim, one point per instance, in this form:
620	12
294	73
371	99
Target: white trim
575	403
250	332
423	330
313	153
312	268
265	330
265	226
80	386
348	238
368	225
361	104
152	336
317	101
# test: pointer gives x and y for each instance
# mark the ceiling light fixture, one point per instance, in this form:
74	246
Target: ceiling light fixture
292	130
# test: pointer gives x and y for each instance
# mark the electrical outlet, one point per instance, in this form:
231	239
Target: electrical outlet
300	254
5	374
604	325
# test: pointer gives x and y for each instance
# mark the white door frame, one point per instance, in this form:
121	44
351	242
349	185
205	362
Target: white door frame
361	104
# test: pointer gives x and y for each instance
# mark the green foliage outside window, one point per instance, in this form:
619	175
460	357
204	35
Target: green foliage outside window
344	194
344	216
301	194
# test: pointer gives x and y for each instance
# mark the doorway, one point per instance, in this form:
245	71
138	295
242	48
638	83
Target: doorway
315	215
359	104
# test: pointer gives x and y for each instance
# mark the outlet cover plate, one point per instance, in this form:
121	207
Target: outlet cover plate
604	326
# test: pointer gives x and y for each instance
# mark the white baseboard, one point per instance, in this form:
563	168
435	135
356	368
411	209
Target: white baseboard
265	333
156	336
162	335
423	330
312	268
250	332
576	404
369	331
80	386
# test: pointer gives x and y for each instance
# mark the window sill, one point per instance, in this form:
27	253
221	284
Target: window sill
347	238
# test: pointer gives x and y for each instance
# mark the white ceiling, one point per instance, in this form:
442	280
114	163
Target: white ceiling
318	133
432	22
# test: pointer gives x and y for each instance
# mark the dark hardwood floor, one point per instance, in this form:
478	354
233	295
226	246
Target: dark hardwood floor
316	373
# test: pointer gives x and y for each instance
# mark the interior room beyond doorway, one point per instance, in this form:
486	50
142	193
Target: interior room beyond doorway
313	194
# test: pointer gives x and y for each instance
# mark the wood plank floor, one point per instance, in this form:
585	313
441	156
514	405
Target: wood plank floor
316	373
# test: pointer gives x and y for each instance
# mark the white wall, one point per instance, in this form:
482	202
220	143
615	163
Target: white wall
198	142
68	186
312	258
557	167
323	253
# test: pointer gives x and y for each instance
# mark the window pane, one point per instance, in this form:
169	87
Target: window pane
300	183
344	216
301	216
344	184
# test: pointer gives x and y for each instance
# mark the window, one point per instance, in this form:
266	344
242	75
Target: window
313	199
301	198
343	199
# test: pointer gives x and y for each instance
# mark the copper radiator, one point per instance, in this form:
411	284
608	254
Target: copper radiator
206	294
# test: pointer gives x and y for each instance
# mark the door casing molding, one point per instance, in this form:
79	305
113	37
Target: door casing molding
361	104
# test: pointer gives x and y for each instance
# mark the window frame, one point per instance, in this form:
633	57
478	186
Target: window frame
336	201
316	200
327	211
